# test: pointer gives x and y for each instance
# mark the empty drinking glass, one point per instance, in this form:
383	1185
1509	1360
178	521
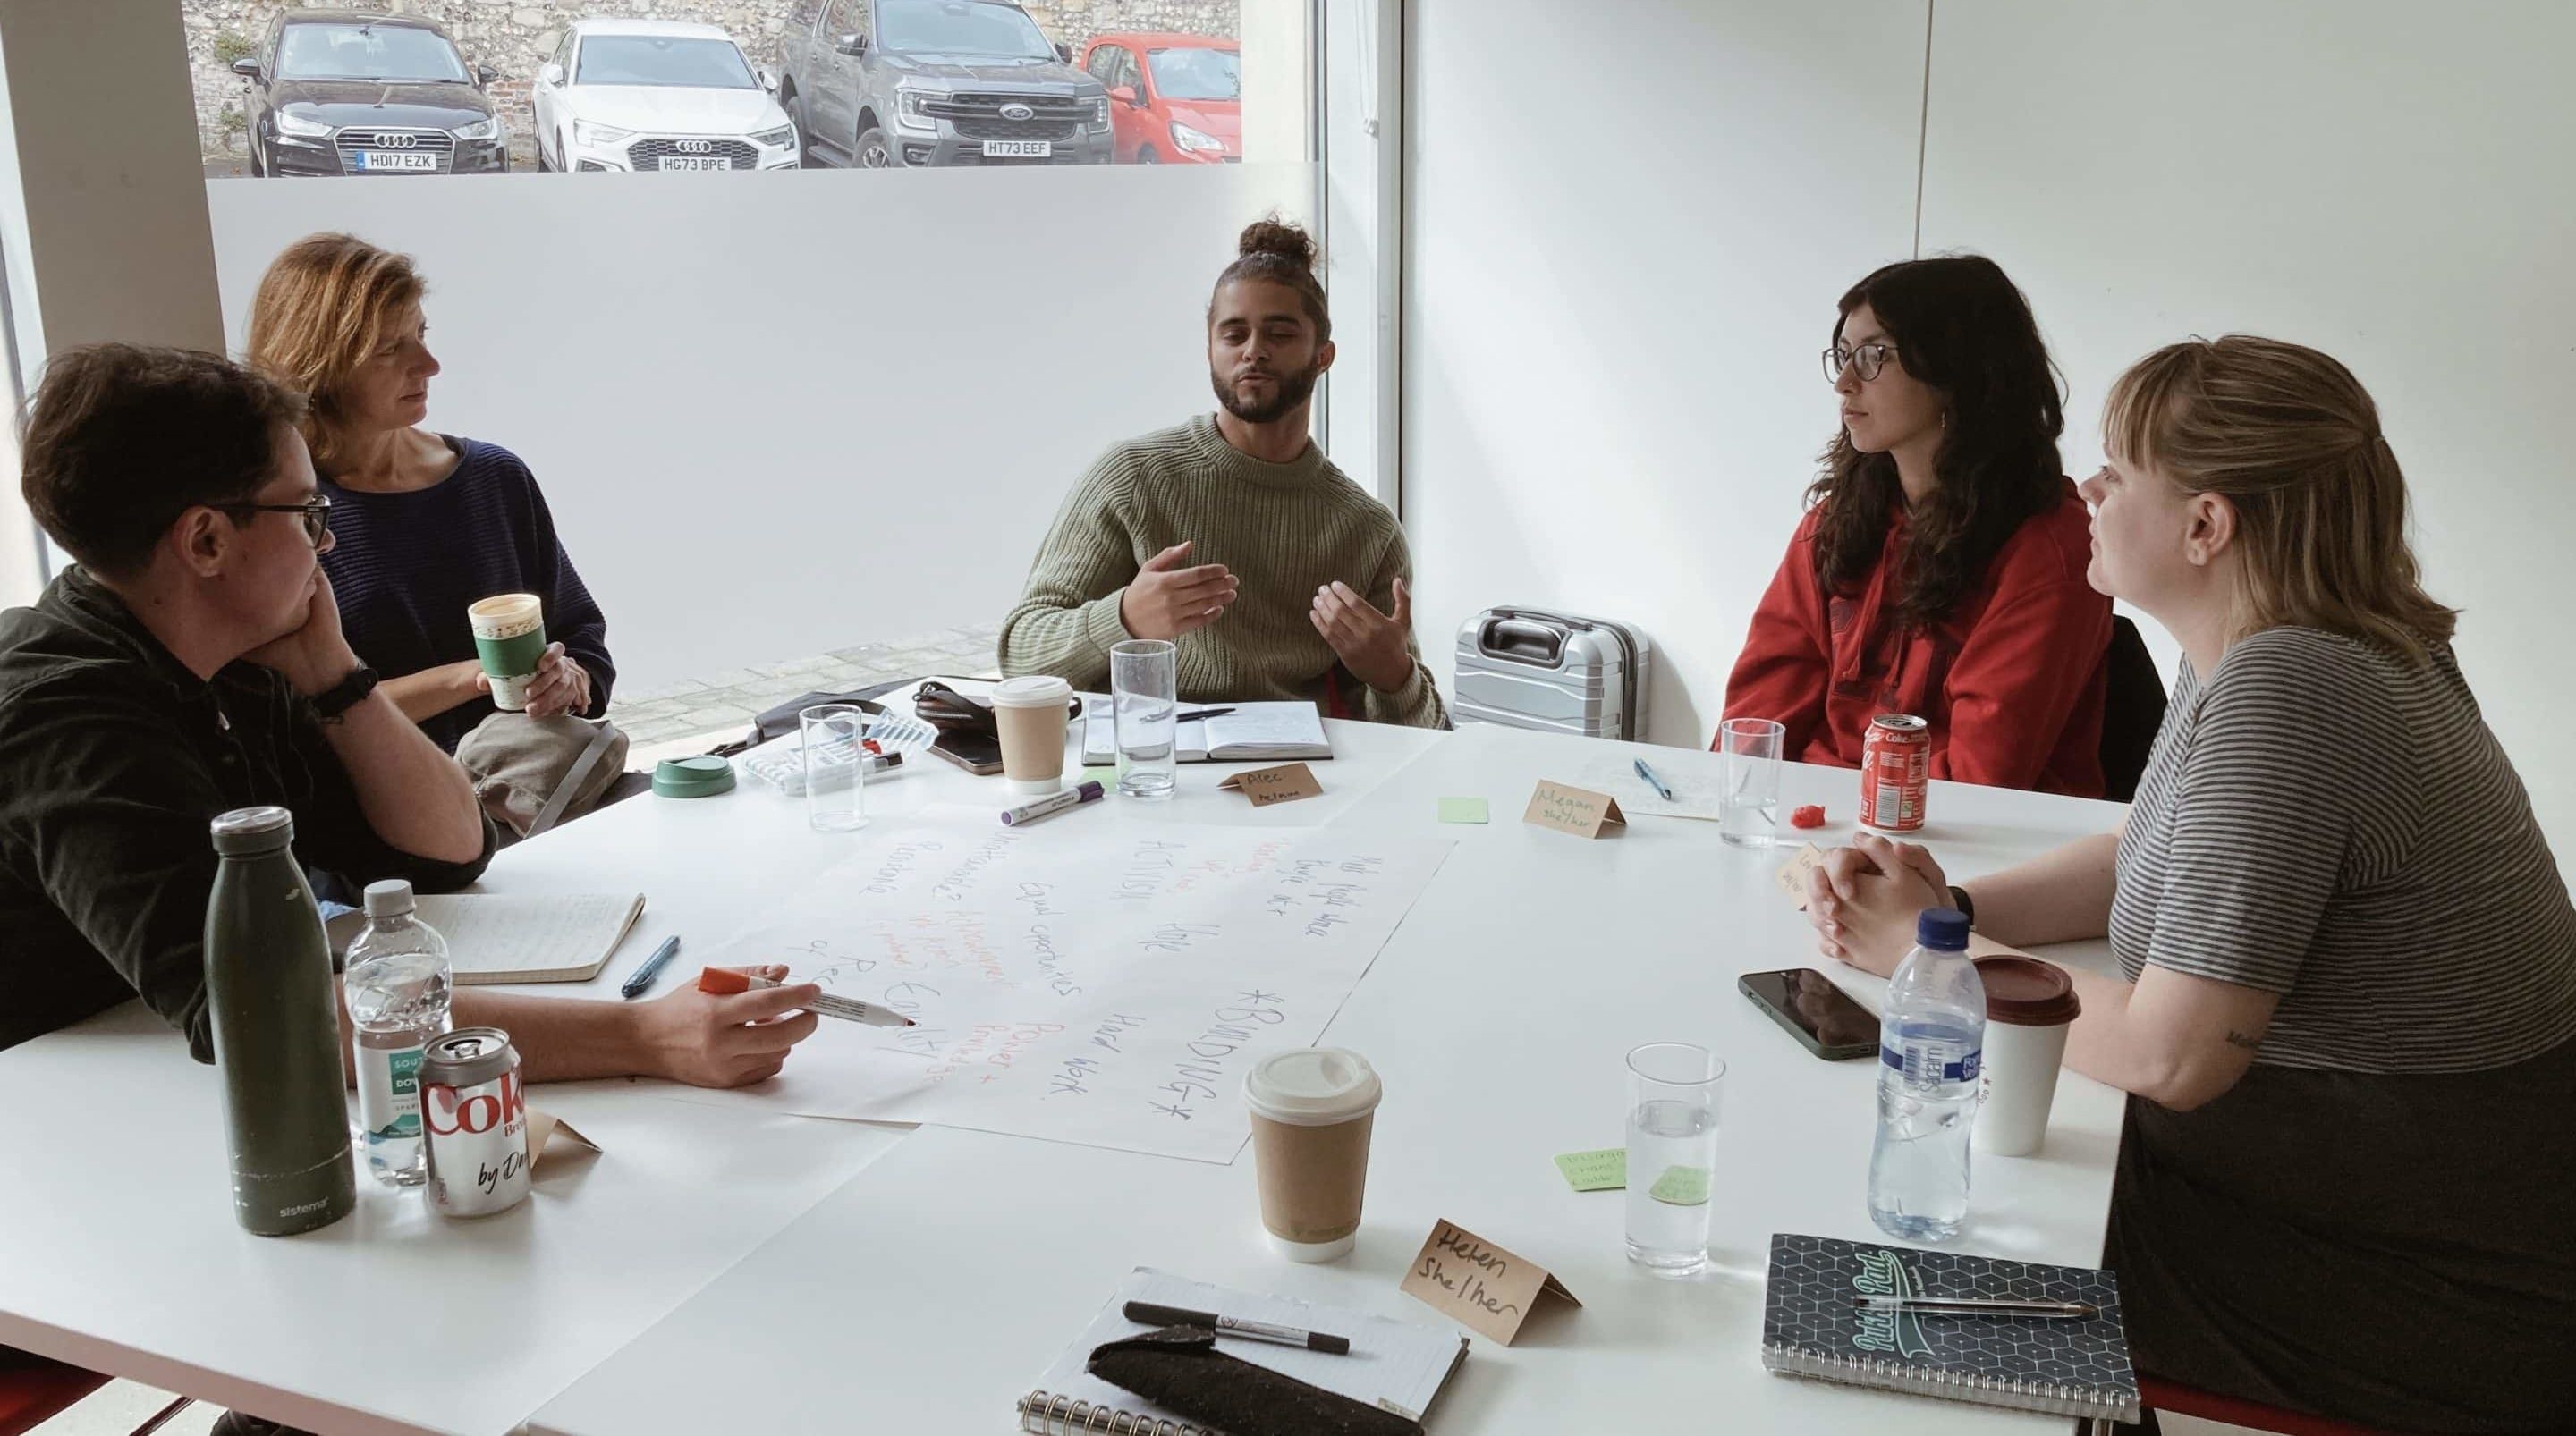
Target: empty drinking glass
1672	1154
1144	678
1749	811
835	774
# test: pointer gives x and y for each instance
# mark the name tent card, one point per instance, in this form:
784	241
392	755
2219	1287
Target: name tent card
1284	784
1793	878
1579	811
1477	1284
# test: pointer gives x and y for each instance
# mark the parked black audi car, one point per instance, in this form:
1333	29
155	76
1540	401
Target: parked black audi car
336	92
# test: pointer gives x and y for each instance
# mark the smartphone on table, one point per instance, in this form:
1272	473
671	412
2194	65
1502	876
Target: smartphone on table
1824	1018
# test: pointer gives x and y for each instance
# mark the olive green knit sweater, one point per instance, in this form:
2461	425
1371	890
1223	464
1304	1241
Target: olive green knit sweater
1284	530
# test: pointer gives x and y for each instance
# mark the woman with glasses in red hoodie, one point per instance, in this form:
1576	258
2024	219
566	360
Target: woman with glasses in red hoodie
1939	570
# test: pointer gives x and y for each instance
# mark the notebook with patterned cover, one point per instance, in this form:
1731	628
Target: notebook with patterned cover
2069	1368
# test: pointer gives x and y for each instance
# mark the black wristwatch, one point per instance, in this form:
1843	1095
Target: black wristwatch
344	695
1967	908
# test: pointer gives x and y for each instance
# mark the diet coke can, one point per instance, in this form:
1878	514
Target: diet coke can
1895	773
476	1116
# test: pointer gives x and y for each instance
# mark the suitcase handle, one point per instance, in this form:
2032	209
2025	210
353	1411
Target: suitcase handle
1508	636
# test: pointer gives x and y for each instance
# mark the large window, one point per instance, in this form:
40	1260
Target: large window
401	54
774	404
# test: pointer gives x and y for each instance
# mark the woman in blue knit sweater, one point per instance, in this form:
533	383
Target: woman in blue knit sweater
425	524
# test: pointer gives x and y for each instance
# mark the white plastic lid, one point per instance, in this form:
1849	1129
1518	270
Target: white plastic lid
388	897
1312	1086
1035	691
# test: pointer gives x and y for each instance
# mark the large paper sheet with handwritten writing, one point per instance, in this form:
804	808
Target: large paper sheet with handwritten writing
1088	982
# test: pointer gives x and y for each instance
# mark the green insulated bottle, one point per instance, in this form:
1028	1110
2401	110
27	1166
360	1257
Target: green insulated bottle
277	1032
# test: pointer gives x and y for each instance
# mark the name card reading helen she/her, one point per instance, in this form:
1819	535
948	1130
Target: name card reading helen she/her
1284	784
1579	811
1478	1284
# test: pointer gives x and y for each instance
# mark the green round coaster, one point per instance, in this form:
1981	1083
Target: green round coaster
692	777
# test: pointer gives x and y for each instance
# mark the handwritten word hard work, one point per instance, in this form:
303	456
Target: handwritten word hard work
1110	992
1478	1284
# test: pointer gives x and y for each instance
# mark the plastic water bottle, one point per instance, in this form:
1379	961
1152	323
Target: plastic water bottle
1931	1047
397	981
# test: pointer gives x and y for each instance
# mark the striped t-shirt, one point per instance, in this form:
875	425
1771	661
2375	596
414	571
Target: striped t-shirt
2327	821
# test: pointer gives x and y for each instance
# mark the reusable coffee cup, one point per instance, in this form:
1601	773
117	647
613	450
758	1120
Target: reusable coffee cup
1030	714
1312	1108
509	636
2029	1005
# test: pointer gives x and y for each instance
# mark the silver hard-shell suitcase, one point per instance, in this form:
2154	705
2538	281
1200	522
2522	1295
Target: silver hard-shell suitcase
1529	668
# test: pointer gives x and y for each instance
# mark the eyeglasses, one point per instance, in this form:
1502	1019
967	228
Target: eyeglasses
316	512
1868	359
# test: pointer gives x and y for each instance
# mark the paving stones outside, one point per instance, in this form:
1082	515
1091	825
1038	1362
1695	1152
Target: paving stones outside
733	697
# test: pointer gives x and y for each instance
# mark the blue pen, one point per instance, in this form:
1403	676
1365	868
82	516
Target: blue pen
1652	781
642	981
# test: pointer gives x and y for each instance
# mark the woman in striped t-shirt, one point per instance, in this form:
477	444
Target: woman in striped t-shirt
2350	959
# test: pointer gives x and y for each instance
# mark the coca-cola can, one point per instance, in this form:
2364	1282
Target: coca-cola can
1895	773
475	1114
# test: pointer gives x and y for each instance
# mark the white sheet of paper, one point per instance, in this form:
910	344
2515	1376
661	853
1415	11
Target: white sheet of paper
1088	983
1397	1365
1697	781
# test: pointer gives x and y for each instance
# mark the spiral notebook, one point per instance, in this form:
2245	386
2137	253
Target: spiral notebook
2066	1368
1395	1365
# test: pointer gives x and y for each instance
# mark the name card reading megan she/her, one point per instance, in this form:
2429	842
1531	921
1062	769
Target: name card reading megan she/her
1478	1284
1569	809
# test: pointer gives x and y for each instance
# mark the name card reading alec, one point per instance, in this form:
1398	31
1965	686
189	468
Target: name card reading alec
1284	784
1478	1284
1579	811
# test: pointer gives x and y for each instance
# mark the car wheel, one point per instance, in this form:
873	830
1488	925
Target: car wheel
874	152
1146	156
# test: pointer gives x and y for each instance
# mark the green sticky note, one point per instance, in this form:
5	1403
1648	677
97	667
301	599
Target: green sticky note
1464	810
1681	1186
1601	1171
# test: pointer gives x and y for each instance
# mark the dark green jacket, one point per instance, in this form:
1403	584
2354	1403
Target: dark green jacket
113	757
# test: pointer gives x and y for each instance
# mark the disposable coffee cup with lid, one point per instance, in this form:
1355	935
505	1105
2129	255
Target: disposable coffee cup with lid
2029	1006
1029	716
1312	1110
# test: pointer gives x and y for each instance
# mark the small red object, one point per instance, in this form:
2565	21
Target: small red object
723	981
1810	816
871	745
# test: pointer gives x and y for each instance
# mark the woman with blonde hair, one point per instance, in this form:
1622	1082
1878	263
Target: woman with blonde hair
2348	960
426	523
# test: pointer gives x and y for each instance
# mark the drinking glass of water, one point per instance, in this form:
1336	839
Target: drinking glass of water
1672	1154
1749	815
835	778
1144	698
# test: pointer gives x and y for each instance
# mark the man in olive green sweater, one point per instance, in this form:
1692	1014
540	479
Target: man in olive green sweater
1274	575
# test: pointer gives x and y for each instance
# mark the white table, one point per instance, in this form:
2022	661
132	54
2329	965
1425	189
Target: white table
930	1291
118	1250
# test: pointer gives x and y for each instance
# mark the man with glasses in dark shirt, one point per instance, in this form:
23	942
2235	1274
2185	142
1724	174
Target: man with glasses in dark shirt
193	662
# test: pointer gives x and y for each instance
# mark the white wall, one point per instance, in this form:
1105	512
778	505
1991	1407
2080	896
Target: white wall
1620	278
2391	182
99	182
1613	396
778	414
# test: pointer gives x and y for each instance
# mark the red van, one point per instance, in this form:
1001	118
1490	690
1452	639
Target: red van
1173	99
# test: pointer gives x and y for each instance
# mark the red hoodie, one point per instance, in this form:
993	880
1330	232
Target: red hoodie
2011	681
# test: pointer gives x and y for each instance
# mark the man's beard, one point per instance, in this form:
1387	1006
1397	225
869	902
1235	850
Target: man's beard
1294	389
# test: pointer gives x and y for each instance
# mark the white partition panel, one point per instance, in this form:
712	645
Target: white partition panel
2388	181
778	414
1629	222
